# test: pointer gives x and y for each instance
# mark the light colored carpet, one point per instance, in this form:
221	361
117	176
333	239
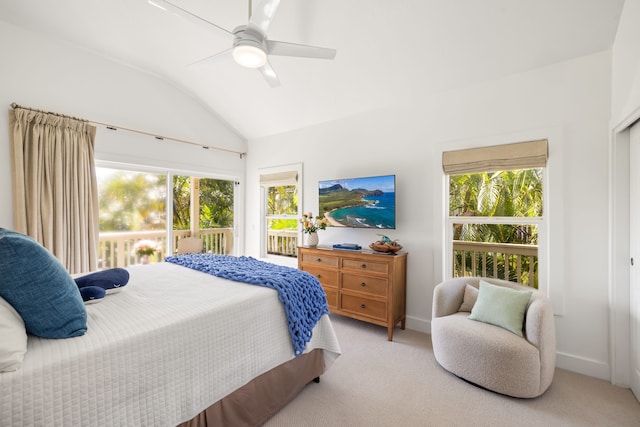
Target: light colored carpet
399	383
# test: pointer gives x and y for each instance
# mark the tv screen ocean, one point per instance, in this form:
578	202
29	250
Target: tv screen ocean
368	202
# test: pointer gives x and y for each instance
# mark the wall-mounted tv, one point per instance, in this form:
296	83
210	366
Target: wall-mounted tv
368	202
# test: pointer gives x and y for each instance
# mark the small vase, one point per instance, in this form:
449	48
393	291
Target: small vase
312	240
144	259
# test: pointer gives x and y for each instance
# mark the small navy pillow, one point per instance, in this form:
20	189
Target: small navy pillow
110	280
92	294
40	289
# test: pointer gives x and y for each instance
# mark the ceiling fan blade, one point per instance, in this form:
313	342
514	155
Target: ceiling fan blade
269	75
213	58
299	50
170	7
262	15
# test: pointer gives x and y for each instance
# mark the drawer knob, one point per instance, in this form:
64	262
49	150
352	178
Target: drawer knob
318	276
319	260
363	284
364	266
363	306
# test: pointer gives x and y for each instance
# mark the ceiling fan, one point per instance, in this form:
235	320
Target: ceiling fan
251	47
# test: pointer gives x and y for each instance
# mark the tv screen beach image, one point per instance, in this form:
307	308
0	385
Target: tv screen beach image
359	202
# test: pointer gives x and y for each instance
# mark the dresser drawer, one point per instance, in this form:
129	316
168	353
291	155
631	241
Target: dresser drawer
364	306
362	265
370	285
332	297
324	260
362	285
325	277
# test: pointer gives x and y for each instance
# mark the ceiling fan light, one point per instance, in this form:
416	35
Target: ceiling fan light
249	56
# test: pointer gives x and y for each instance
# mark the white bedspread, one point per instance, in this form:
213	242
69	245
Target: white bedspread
168	345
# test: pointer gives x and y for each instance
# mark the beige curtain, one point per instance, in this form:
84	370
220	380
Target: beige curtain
519	155
55	195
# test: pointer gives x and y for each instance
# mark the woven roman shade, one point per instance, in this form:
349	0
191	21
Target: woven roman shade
279	179
520	155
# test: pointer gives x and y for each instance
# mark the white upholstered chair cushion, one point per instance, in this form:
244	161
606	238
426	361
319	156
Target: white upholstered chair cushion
488	355
189	245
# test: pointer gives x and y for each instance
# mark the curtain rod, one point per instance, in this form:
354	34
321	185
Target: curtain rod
114	127
14	106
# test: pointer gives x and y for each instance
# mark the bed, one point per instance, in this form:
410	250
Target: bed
175	346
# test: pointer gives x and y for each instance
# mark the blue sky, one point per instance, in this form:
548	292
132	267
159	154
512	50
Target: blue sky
384	183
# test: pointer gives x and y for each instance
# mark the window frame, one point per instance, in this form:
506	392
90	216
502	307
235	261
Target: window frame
169	173
265	217
540	222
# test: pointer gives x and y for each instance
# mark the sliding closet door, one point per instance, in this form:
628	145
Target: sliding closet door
634	299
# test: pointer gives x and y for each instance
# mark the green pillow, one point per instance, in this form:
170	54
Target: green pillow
501	306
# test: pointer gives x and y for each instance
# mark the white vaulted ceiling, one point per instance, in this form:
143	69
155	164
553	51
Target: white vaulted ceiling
388	52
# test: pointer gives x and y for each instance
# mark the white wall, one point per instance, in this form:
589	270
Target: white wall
53	76
570	102
626	64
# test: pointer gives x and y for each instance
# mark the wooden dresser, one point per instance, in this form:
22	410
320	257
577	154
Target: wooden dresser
363	285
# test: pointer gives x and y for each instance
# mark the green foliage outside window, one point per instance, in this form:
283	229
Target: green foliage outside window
216	203
514	193
131	200
136	201
281	201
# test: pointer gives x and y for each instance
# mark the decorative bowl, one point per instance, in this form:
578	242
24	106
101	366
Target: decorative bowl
385	247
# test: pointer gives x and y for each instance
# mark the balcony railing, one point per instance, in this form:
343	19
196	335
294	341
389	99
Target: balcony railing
282	242
508	261
115	249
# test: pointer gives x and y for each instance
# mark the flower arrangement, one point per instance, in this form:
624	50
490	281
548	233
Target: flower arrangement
145	247
311	224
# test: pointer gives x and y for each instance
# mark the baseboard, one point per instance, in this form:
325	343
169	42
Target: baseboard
580	365
570	362
418	324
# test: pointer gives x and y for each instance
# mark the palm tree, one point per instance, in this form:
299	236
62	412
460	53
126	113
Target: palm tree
513	193
282	200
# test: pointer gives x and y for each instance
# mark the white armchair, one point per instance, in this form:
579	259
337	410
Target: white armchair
491	356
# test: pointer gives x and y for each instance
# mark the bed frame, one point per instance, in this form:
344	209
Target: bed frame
260	399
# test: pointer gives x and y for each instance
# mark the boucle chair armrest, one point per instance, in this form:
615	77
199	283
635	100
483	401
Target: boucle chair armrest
540	331
447	296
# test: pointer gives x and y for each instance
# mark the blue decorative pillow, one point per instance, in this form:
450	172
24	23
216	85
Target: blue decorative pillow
40	289
111	280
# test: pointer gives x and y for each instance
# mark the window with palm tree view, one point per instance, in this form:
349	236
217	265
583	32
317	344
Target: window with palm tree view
133	211
495	220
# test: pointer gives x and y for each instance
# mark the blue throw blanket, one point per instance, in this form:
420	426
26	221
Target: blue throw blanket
300	293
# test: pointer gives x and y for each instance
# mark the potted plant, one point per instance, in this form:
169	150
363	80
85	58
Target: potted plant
311	225
145	248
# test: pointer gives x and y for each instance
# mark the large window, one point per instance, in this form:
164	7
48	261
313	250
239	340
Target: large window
204	207
161	208
495	216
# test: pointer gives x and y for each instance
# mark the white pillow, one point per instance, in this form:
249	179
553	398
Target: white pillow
13	345
469	299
